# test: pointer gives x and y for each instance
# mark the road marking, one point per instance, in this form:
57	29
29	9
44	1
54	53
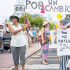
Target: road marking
41	59
40	66
48	56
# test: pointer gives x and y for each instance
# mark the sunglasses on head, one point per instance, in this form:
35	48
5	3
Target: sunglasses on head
61	21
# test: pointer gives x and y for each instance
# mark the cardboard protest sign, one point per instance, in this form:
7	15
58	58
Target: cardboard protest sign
63	42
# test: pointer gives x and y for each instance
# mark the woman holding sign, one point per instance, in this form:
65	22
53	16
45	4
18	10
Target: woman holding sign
18	42
45	37
59	27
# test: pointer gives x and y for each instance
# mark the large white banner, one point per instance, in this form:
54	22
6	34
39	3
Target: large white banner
63	42
45	6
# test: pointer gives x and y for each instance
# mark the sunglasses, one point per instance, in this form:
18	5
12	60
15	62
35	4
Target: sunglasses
61	21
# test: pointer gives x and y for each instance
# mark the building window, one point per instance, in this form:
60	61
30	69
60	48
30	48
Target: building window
16	8
20	9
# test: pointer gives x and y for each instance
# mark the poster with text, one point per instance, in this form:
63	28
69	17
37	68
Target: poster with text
63	40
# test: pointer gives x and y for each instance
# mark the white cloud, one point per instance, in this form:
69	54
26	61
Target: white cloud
7	7
1	20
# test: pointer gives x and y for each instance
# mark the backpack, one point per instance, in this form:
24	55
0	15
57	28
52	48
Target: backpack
46	39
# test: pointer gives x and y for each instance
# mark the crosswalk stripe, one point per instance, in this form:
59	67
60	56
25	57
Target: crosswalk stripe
39	66
41	59
48	56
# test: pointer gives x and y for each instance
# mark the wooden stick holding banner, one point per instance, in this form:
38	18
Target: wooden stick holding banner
26	22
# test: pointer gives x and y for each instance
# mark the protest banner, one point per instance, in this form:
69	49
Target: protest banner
63	42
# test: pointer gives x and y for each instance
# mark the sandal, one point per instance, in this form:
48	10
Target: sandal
45	63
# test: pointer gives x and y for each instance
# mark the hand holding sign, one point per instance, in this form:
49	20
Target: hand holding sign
25	15
23	27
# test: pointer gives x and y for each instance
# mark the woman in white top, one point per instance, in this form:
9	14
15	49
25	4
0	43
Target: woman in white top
18	42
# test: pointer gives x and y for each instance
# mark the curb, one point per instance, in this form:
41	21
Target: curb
12	68
32	53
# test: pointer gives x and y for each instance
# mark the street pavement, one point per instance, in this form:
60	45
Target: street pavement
35	63
33	60
6	60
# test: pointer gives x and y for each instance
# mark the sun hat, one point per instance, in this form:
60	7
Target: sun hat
14	17
45	23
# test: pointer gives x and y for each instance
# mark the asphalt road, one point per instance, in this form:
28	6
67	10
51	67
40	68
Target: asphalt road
34	62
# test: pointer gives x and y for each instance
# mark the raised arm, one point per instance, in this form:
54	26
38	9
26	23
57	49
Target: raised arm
28	22
42	32
12	30
63	27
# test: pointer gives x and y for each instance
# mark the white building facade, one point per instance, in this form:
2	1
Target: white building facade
19	8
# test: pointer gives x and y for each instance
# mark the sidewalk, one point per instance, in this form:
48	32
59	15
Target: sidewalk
6	60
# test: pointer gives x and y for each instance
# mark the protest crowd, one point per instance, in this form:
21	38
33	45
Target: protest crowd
17	37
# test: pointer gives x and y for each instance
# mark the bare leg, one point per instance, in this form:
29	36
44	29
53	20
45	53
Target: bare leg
16	67
23	67
29	44
43	61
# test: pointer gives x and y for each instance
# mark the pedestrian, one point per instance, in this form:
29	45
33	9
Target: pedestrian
30	37
18	42
6	28
45	43
68	64
34	35
26	38
2	32
37	35
59	27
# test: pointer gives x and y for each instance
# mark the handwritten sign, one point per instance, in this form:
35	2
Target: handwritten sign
63	42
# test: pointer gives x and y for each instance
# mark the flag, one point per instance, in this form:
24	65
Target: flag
56	25
59	16
51	20
42	9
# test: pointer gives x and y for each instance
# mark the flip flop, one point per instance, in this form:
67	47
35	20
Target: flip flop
45	63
